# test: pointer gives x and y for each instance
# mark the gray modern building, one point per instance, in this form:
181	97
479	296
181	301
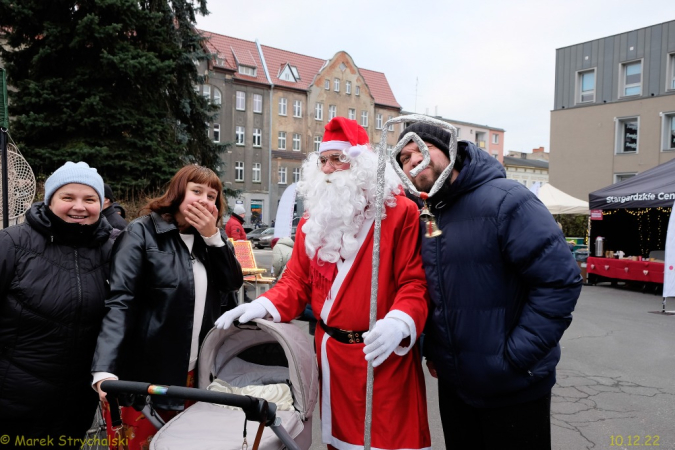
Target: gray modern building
614	108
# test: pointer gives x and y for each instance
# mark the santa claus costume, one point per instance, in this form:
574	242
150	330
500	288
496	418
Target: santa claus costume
331	269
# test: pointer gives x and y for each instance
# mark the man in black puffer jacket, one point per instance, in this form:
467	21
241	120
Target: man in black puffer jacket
503	286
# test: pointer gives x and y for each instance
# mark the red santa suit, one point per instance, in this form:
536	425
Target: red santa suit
340	297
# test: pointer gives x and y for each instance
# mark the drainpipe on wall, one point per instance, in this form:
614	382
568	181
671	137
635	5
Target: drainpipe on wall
269	153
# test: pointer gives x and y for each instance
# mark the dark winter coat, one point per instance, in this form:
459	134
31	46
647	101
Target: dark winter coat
51	304
114	218
503	285
147	332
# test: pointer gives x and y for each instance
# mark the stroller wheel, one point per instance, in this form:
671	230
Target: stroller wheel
96	436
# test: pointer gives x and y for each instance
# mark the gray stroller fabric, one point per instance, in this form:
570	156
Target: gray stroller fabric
208	426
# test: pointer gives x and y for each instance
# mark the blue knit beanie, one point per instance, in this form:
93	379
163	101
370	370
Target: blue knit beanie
72	172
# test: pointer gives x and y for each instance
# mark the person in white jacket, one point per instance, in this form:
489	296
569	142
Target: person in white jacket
281	253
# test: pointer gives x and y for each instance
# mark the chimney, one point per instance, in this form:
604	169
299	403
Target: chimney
538	150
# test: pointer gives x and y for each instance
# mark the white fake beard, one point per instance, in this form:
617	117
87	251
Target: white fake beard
339	203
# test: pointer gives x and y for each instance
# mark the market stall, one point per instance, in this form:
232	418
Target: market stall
632	218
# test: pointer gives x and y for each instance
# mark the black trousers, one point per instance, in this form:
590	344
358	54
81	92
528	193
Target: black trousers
525	426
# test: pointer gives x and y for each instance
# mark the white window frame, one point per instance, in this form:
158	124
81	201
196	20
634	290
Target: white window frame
622	80
297	142
281	140
336	85
240	103
297	108
352	114
332	112
326	84
216	132
239	171
257	103
670	79
579	95
217	97
618	177
240	135
668	133
257	137
256	173
364	119
318	111
378	121
296	174
459	132
206	92
247	70
619	135
391	125
283	106
348	87
495	138
282	175
317	143
358	90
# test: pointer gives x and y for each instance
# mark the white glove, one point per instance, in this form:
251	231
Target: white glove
386	335
244	313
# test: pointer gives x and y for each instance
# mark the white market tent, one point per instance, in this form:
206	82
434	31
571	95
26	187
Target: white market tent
559	202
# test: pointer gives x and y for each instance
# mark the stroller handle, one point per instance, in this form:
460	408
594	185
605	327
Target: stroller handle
256	409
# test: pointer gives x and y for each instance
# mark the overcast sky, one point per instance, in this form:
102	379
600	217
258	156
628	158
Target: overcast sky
489	62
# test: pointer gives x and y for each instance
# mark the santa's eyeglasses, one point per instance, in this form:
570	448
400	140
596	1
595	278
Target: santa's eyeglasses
336	160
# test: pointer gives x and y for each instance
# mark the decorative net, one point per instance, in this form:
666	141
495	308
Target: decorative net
21	190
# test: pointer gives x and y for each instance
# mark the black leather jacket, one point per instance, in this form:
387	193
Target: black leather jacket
147	331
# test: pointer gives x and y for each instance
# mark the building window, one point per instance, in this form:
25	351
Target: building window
247	70
240	135
256	173
495	138
282	175
627	135
257	137
317	143
668	131
459	132
206	92
297	108
257	103
241	101
631	78
326	84
282	106
378	121
216	132
364	119
352	113
217	96
671	71
358	90
282	140
586	86
296	175
619	177
296	142
348	87
336	85
332	111
391	125
318	111
239	171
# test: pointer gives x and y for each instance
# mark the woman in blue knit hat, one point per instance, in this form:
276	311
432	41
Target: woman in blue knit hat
53	283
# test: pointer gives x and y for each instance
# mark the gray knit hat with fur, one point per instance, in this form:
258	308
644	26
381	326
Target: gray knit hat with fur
72	172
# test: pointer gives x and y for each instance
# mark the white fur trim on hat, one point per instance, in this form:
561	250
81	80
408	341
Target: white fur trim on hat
334	145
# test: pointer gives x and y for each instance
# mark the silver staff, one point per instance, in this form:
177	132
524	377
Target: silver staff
381	165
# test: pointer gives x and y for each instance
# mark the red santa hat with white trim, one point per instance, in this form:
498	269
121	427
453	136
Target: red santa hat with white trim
345	135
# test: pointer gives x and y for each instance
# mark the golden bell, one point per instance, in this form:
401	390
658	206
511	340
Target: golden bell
432	229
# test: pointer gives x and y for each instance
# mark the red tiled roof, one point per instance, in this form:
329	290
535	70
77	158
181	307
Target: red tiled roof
307	66
379	88
246	53
232	50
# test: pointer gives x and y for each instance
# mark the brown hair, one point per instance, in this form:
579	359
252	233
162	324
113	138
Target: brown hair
175	193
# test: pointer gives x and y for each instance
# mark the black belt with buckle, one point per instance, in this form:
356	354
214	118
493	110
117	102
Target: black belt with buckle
344	336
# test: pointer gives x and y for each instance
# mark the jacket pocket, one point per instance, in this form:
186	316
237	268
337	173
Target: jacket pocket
161	270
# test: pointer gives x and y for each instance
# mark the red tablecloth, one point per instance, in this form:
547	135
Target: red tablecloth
625	269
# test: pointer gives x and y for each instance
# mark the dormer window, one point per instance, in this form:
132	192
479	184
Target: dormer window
289	73
247	70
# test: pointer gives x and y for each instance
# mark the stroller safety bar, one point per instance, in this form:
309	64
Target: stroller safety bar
256	409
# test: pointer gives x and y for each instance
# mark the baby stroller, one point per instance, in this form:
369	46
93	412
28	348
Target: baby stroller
262	359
